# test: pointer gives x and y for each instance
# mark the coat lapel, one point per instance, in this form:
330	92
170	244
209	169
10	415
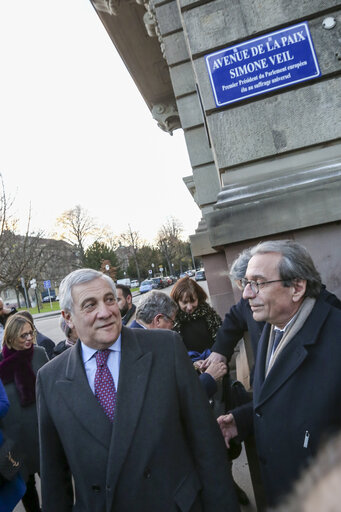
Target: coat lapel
134	376
79	398
292	356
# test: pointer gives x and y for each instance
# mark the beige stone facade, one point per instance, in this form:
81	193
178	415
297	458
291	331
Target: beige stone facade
265	167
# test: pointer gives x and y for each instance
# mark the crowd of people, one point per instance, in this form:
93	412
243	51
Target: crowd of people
137	409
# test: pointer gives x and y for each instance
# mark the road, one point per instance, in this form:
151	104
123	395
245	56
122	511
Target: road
49	325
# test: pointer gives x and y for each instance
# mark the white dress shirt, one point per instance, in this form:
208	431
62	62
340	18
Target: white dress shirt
113	362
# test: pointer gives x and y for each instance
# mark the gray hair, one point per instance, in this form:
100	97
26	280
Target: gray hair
64	326
155	303
296	263
80	276
239	265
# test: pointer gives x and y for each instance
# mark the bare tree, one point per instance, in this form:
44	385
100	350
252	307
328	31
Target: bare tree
77	227
132	240
168	240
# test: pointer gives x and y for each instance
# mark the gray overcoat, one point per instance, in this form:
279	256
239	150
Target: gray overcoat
164	451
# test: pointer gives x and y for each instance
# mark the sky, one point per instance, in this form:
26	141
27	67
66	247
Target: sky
75	130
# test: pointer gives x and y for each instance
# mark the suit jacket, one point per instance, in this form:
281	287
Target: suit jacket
163	450
135	325
298	405
130	316
46	343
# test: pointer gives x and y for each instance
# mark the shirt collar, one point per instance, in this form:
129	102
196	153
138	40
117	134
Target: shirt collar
286	327
88	352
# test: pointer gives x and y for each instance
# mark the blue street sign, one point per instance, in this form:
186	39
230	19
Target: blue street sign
266	63
47	284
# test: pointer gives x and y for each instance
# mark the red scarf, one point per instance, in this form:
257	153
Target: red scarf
16	366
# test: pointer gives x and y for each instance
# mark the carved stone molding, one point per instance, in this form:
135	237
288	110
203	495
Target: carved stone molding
167	117
112	6
108	6
291	193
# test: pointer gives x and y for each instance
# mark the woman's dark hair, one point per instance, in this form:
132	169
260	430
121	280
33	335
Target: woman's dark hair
189	288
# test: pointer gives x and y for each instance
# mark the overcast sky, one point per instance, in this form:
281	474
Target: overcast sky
74	128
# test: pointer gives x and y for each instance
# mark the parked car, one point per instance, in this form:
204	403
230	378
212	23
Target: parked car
134	283
190	273
169	280
183	274
146	286
158	281
47	298
200	275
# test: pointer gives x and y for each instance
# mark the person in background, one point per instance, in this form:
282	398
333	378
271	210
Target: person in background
125	303
155	311
41	339
196	321
20	362
5	313
70	340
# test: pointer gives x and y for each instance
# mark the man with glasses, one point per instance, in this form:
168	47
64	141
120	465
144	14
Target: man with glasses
297	378
155	311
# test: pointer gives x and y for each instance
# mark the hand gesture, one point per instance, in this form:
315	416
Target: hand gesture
217	370
228	427
214	357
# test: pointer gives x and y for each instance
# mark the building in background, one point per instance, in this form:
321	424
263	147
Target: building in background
255	87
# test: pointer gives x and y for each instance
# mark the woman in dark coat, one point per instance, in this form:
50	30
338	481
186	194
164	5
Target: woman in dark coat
196	321
21	360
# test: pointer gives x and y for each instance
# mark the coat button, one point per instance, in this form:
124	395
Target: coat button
147	474
258	414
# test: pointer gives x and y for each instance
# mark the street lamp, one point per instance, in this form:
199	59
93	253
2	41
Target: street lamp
153	268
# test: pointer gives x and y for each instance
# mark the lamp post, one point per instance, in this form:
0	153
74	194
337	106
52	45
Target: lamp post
153	268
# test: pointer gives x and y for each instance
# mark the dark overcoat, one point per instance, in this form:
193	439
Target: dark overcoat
298	405
164	451
21	423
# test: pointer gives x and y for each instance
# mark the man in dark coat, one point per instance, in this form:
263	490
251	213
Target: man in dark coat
134	432
125	303
297	378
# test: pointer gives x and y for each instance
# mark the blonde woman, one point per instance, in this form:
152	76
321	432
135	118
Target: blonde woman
21	359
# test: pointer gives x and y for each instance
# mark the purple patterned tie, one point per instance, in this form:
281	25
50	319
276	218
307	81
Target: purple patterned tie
105	390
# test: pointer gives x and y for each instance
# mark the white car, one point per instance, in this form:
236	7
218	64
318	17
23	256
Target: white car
134	284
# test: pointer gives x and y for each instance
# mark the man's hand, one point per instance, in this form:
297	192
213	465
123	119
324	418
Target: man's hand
217	370
214	357
228	428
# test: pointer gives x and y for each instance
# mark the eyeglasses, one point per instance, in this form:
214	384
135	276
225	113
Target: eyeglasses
169	319
255	285
27	335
